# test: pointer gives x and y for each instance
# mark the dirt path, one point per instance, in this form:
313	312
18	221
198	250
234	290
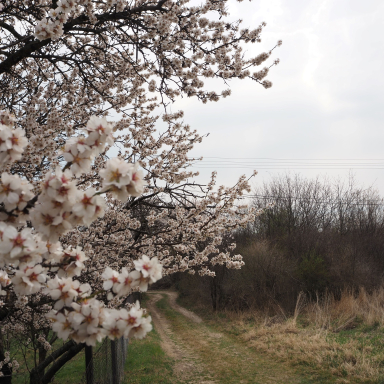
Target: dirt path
204	356
172	296
187	366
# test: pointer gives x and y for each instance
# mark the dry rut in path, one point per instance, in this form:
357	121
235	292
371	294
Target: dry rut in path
187	367
202	355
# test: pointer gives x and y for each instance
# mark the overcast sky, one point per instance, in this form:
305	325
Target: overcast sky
326	101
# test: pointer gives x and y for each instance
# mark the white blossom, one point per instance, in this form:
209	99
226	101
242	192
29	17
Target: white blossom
64	291
136	186
29	280
116	175
150	268
89	206
126	281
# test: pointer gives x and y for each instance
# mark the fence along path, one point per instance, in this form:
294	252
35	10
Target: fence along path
105	364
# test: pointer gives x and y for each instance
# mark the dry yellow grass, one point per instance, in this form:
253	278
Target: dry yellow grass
369	308
327	334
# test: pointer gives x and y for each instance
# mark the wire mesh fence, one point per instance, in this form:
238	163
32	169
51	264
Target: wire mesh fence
105	364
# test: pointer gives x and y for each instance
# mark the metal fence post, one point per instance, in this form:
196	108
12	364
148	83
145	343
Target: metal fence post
115	372
89	364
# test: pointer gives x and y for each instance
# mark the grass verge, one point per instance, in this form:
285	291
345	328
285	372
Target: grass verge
147	363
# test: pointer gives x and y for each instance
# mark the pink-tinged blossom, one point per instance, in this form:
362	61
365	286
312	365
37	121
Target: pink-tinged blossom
29	280
73	260
116	175
42	30
3	227
7	118
59	187
127	281
142	329
5	138
9	186
143	283
61	325
80	161
86	320
80	143
136	186
4	279
87	316
32	255
64	291
14	243
51	219
99	134
89	206
53	254
131	319
14	192
84	290
151	269
12	143
114	328
111	279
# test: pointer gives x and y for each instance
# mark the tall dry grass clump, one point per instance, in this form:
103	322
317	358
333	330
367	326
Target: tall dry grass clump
341	313
326	334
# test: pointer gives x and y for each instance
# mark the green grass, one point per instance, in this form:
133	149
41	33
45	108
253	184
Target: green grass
70	373
147	363
73	372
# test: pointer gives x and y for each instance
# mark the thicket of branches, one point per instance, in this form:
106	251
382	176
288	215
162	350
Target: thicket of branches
318	235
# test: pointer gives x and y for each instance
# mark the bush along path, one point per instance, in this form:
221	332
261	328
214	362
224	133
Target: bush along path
201	353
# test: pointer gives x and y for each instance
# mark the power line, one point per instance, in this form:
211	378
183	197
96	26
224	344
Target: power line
287	164
273	158
266	168
295	198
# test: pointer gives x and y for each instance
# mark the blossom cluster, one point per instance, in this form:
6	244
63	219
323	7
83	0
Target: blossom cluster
12	140
7	361
90	321
85	319
52	27
122	179
61	206
79	151
147	271
32	225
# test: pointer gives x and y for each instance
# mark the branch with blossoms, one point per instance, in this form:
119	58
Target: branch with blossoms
80	230
167	46
31	255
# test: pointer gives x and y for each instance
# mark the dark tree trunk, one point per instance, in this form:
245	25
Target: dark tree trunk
5	370
71	353
67	352
213	293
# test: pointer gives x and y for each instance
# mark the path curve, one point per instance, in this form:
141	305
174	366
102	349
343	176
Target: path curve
172	296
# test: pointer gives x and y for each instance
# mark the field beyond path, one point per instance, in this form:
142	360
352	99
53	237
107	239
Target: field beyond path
201	354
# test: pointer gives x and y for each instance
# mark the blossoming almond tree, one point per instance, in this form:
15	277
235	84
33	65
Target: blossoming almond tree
79	229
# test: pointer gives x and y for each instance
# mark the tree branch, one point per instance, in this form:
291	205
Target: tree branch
72	352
